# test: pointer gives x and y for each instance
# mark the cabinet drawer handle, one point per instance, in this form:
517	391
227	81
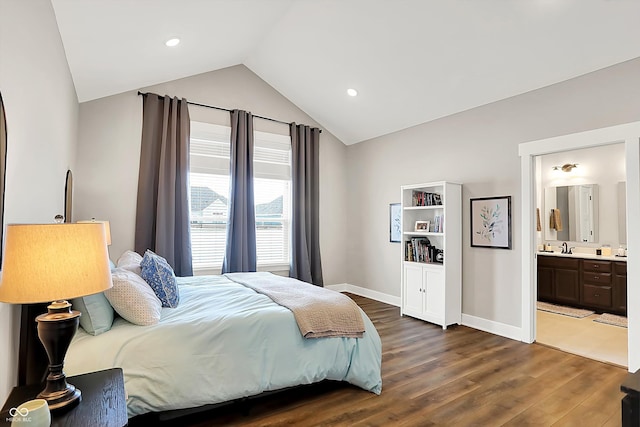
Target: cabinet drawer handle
596	295
596	278
596	266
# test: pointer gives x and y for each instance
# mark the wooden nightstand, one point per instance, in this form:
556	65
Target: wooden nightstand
103	401
631	402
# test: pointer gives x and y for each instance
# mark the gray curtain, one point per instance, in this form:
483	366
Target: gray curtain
162	214
305	221
240	254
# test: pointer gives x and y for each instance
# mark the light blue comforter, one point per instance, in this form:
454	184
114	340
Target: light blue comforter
223	342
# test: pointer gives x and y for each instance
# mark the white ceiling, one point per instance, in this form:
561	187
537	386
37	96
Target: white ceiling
411	61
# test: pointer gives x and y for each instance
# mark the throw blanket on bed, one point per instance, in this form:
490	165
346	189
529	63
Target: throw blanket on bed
319	312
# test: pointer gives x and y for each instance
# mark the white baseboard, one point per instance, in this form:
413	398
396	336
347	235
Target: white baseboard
496	328
367	293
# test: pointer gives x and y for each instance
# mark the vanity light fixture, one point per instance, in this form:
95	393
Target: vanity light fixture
172	42
567	167
352	92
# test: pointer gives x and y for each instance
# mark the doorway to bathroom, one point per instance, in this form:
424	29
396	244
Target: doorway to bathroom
532	155
581	212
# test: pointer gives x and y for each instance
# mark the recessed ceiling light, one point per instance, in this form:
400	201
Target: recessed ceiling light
172	42
352	92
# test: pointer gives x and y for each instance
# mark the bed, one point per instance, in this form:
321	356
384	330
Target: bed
223	342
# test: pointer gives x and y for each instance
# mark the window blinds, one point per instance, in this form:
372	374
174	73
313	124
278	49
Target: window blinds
209	181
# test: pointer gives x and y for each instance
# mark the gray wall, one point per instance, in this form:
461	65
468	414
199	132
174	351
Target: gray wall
42	121
478	148
109	149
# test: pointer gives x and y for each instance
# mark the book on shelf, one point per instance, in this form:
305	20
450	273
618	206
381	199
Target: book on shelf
423	198
438	224
418	249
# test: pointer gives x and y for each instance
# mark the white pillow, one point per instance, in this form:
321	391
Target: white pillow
130	260
133	299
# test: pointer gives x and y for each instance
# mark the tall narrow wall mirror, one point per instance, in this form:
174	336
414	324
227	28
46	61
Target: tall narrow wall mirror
3	167
68	196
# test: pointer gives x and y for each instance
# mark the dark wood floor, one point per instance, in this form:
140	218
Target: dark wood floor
457	377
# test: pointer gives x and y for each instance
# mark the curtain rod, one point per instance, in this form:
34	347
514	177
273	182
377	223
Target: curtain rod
222	109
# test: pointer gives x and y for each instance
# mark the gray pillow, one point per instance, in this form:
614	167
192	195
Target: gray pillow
97	313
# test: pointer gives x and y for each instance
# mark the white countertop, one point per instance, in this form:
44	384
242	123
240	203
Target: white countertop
585	256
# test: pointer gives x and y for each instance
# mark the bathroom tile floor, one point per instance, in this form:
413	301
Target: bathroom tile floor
584	337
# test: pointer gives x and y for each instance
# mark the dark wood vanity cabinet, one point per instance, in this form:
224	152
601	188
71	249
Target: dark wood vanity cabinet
599	285
559	280
620	287
545	282
596	284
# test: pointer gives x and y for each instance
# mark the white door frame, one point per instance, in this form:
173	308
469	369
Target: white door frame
629	134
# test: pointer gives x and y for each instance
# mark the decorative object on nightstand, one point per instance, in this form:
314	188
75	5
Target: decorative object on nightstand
55	262
35	412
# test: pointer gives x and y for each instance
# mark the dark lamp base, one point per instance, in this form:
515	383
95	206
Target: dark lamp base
55	330
67	398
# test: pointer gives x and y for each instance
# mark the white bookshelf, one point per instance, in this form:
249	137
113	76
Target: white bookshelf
432	288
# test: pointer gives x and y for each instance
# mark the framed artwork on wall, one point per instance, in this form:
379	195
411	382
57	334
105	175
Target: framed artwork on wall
491	222
395	231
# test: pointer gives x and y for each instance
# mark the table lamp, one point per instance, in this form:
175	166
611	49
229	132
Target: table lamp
55	262
107	228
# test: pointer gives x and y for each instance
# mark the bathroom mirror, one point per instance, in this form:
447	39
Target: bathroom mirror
3	167
571	213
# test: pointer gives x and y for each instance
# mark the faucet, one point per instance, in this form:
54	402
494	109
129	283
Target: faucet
564	248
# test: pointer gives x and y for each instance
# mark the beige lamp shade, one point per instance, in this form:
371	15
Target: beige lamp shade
48	262
107	228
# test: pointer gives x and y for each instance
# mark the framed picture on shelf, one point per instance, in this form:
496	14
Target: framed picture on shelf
395	231
422	225
491	222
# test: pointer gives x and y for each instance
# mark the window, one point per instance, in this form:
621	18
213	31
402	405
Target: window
209	181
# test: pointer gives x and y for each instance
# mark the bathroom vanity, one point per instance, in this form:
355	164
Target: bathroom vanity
594	282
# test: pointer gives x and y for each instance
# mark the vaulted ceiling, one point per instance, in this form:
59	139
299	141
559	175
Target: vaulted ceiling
411	61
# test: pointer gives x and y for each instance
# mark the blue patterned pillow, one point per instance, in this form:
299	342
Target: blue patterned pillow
157	272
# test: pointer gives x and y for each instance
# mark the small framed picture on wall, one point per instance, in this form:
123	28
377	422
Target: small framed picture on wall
395	231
